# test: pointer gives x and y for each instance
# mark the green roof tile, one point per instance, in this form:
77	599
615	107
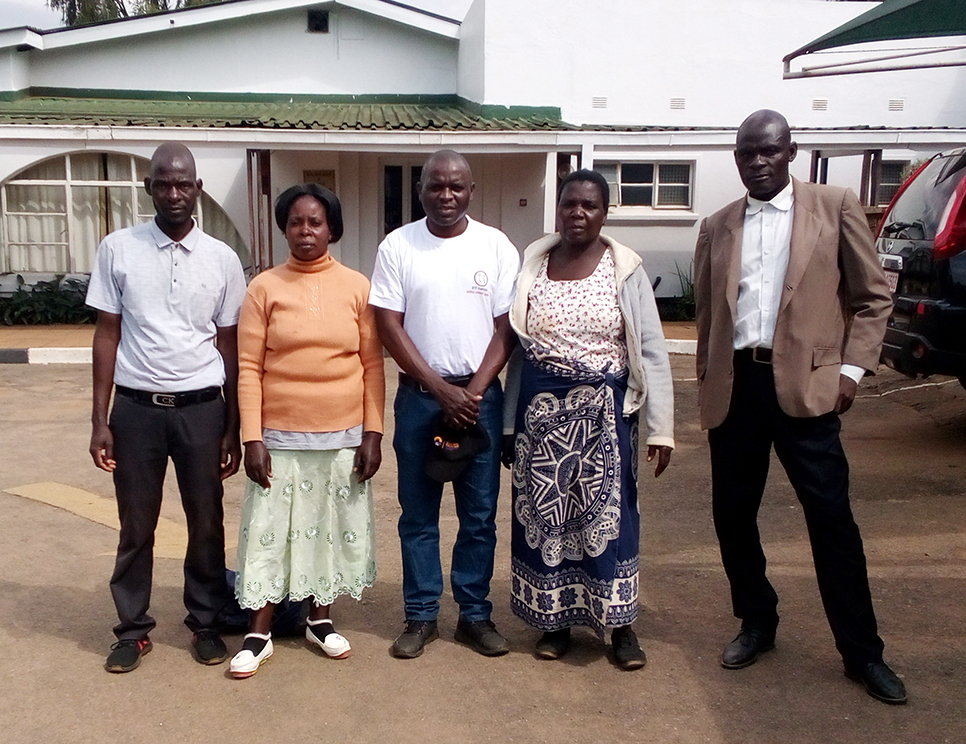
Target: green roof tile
429	116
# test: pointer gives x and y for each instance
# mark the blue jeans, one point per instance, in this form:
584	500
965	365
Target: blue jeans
476	492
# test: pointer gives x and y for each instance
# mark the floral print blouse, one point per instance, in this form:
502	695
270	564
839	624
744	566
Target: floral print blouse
579	320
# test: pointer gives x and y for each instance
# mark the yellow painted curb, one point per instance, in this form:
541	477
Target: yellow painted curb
170	538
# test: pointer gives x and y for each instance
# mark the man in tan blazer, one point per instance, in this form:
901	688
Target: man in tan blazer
791	308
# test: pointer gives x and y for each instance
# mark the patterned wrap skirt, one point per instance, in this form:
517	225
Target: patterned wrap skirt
576	525
310	534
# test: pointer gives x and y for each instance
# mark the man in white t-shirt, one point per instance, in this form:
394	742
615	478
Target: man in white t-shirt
168	298
442	288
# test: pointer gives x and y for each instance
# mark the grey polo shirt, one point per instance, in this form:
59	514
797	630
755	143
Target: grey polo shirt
172	297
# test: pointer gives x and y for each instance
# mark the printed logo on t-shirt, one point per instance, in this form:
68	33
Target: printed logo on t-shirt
480	280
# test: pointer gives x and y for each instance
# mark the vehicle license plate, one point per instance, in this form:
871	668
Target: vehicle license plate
893	279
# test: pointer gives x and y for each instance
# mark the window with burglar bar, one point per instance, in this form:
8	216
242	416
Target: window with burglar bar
656	185
890	179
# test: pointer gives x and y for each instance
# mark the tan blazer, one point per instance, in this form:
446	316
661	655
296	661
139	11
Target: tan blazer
833	310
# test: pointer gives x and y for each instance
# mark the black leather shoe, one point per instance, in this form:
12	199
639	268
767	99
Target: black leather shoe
743	651
482	636
411	641
880	681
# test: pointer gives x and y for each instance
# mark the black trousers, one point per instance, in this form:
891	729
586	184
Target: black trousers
145	436
811	452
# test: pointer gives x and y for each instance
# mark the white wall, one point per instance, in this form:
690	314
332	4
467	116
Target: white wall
723	58
13	70
523	179
362	54
472	58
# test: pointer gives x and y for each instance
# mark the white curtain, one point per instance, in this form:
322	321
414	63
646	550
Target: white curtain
43	233
36	229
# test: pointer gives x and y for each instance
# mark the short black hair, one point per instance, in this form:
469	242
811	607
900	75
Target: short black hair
328	200
587	176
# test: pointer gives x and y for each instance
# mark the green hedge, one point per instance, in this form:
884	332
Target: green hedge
47	303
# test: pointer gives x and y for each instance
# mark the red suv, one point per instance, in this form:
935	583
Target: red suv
922	247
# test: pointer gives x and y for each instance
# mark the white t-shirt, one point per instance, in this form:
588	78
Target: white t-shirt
450	290
172	298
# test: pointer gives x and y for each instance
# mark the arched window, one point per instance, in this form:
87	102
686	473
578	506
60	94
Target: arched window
54	214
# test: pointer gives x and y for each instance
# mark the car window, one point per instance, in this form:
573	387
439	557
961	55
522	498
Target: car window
917	212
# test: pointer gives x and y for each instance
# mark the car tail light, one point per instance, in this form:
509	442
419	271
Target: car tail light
902	188
918	350
951	233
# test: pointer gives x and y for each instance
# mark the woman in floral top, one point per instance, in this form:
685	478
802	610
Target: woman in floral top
311	392
593	357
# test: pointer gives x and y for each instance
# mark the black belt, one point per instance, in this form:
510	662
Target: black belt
170	400
458	380
760	354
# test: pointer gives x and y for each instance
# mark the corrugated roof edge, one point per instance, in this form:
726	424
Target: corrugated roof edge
429	113
471	107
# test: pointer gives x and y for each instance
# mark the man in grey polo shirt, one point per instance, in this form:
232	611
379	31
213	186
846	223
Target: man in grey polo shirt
168	298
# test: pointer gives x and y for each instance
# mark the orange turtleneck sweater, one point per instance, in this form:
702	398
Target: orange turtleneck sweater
309	357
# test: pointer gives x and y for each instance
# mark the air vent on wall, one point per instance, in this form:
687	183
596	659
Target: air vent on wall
897	104
598	102
678	104
819	104
318	22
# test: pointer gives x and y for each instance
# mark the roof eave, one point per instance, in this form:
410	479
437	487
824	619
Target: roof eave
205	14
21	37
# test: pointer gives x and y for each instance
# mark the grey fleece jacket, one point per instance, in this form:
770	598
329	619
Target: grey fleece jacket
649	385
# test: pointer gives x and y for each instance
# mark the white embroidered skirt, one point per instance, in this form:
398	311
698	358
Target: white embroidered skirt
309	535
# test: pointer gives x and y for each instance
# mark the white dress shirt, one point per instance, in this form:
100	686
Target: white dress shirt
765	245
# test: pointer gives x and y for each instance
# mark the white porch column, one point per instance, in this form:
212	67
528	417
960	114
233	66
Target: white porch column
550	193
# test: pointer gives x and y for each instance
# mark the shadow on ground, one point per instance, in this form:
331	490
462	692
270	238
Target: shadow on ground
909	495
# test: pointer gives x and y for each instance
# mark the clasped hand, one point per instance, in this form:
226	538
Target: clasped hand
461	406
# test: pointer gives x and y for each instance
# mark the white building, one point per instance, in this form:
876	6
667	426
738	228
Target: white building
356	93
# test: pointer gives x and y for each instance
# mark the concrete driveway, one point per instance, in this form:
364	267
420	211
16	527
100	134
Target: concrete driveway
906	445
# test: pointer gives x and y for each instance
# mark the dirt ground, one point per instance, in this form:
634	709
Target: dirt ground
906	446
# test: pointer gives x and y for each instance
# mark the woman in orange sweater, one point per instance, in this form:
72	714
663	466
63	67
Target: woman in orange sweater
311	391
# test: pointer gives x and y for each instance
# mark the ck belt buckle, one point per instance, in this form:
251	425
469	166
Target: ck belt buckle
761	354
163	399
